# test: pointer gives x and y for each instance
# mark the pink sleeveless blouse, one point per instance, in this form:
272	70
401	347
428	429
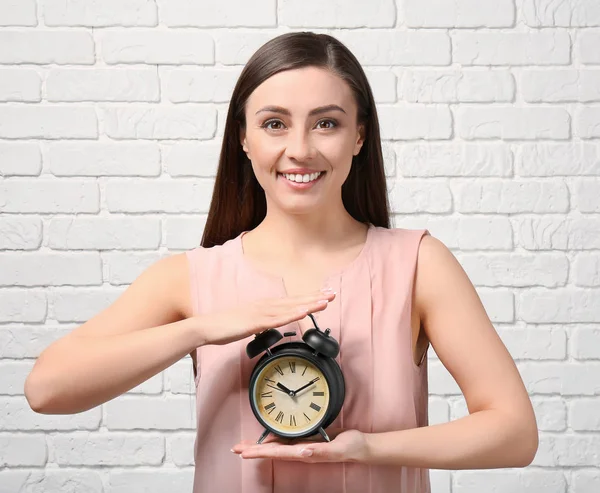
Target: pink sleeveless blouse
385	391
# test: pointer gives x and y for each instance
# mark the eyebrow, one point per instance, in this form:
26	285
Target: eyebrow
316	111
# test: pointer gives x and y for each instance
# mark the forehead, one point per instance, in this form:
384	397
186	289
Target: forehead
301	90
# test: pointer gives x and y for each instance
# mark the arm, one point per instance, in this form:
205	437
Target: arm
143	332
501	429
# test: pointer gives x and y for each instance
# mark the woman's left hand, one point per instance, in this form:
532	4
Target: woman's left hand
345	446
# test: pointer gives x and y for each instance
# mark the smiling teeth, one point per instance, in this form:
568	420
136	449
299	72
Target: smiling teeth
302	178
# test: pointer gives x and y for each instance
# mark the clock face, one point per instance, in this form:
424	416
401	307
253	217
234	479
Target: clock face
287	414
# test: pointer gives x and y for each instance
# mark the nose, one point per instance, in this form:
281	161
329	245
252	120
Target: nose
299	146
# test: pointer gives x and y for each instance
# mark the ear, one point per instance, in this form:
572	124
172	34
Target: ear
243	139
361	139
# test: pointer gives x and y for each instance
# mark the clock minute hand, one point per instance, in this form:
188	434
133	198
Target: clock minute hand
307	385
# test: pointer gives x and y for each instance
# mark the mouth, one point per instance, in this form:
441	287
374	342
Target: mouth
302	179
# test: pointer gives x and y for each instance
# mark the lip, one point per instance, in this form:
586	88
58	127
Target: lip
300	185
300	171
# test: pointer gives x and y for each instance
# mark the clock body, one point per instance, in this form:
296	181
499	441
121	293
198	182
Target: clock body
317	379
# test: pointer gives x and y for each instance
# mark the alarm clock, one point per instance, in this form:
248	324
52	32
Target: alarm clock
296	388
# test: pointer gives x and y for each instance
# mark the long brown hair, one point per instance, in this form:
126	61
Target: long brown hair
238	202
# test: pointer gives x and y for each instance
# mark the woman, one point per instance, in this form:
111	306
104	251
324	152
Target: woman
300	205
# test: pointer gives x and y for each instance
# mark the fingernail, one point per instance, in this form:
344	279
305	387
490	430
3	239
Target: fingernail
327	290
306	452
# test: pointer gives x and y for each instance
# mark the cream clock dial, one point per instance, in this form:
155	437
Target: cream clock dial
296	413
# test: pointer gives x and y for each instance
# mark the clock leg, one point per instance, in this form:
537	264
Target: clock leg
263	436
324	435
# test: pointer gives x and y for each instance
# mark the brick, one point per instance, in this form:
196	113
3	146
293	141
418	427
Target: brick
18	341
455	86
587	122
185	232
15	414
414	122
587	47
22	306
158	196
21	85
79	305
98	13
336	14
511	48
557	159
191	158
569	13
419	196
189	122
125	267
150	413
535	342
562	305
157	47
200	85
513	123
567	451
513	480
584	415
585	195
558	233
104	233
510	197
516	270
22	450
50	269
454	159
550	413
103	158
48	122
585	342
181	446
459	13
393	47
20	233
157	481
18	13
64	480
102	84
212	13
48	196
107	449
14	374
46	46
20	159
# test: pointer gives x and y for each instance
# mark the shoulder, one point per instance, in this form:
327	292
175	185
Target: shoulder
437	273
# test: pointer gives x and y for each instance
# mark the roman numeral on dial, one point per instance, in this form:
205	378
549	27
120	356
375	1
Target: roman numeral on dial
279	417
292	420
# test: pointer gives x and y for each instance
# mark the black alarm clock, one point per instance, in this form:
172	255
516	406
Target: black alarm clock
297	388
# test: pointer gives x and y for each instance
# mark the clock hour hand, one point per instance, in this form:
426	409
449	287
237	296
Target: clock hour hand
285	389
307	385
277	388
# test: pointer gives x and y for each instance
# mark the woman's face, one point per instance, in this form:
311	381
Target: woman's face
283	139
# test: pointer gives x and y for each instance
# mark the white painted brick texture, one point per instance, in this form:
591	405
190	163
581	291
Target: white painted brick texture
111	119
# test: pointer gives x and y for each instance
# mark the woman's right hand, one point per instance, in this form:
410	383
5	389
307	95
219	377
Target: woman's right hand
268	313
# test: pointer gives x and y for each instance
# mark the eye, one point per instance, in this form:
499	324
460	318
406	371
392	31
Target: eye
269	122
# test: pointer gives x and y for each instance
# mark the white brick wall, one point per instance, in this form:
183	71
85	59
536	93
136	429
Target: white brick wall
111	115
